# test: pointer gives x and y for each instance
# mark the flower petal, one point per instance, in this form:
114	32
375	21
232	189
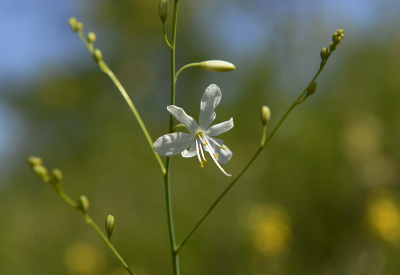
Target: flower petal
184	118
173	144
219	128
210	100
191	152
224	153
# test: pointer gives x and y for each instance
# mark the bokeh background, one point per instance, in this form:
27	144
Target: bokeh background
323	198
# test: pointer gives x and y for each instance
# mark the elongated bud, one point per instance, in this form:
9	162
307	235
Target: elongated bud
41	171
217	66
56	175
83	204
324	53
91	37
33	161
110	225
312	88
332	46
75	24
163	9
97	55
265	114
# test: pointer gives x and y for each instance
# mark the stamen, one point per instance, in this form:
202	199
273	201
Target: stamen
198	154
222	147
202	154
214	157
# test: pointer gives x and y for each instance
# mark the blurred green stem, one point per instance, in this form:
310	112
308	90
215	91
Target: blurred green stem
58	188
103	66
174	252
264	142
196	64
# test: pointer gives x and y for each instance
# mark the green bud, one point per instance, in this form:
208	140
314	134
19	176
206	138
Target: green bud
75	24
40	171
332	46
324	53
83	204
97	55
110	225
336	39
340	32
312	88
163	9
217	66
33	161
56	175
91	37
265	114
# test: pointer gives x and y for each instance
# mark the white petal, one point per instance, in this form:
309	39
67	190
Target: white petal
210	100
219	128
184	118
224	153
191	152
173	144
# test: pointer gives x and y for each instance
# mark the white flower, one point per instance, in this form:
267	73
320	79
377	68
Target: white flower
201	136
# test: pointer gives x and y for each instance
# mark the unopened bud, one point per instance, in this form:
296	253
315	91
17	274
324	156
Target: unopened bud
91	37
265	114
332	46
56	175
163	9
97	55
75	24
312	88
110	225
83	204
336	39
340	32
33	161
324	53
40	171
217	66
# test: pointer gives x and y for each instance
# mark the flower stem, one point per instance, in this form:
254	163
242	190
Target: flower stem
264	142
104	67
196	64
174	252
89	220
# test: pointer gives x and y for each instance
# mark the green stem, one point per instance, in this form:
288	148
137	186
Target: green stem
264	142
104	67
196	64
89	220
174	253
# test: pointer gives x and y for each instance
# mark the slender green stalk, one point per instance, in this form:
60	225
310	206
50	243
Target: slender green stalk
264	142
174	253
104	67
196	64
58	188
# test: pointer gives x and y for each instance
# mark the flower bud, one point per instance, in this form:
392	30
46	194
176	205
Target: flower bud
332	46
83	204
340	32
217	66
110	225
75	24
40	171
265	114
324	53
97	55
163	9
312	88
336	39
56	175
91	37
33	161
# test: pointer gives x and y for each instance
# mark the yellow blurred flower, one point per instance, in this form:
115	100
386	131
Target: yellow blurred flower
269	228
82	258
384	215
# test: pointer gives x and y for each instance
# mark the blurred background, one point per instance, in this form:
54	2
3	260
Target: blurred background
323	198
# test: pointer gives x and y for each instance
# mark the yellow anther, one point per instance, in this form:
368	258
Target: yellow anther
205	161
206	143
222	147
216	155
201	164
